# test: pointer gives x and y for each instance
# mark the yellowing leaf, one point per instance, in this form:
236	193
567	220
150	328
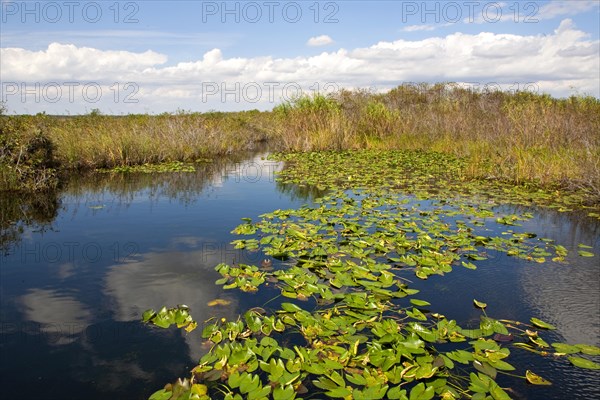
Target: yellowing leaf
191	326
199	389
535	379
479	304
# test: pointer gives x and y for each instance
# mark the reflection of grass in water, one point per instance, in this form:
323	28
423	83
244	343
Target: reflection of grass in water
20	211
183	186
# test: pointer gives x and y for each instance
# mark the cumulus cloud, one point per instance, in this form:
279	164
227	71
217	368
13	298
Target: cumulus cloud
65	61
557	62
322	40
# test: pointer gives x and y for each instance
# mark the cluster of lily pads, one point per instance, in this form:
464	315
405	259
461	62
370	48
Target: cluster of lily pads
424	174
350	325
148	168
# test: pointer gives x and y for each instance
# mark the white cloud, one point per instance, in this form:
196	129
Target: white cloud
322	40
532	12
556	63
415	28
556	8
67	61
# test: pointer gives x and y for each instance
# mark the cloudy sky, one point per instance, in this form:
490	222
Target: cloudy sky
150	56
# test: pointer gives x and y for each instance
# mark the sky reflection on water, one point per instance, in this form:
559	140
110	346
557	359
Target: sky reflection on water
74	284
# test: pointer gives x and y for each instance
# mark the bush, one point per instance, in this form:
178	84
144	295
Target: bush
26	155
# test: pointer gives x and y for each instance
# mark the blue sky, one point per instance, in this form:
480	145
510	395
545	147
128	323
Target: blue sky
150	56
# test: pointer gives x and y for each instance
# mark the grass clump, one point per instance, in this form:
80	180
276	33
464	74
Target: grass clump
27	159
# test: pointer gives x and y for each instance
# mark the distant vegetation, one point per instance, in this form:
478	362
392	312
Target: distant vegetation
515	137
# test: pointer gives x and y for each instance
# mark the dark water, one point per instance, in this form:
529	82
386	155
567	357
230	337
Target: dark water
78	270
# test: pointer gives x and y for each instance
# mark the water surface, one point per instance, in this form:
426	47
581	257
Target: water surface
78	270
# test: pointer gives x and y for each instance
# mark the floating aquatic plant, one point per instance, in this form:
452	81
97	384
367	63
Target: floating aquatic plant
175	166
386	216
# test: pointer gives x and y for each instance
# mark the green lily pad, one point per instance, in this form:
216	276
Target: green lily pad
588	349
584	363
541	324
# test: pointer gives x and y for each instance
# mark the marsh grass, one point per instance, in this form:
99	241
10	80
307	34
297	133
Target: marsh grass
519	137
34	148
99	141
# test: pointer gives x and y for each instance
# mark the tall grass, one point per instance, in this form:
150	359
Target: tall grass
519	137
104	141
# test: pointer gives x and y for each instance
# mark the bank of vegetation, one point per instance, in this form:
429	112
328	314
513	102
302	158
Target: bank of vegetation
520	137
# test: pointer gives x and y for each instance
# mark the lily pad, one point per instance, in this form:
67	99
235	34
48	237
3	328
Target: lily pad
541	324
479	304
584	363
584	253
535	379
588	349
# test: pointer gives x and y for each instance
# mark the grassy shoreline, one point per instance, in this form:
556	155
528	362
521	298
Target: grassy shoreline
522	138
